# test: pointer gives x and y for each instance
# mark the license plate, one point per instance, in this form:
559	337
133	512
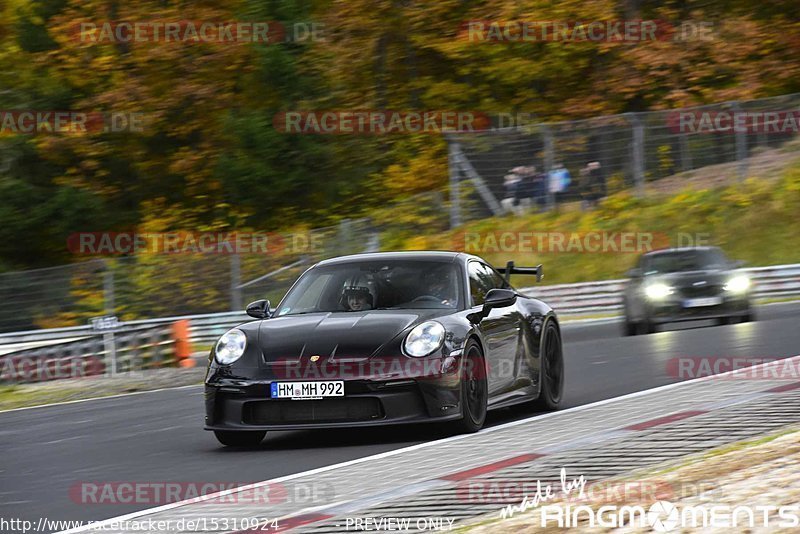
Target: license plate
696	303
307	390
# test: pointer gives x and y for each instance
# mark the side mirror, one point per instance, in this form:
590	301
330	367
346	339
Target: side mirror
634	273
499	298
258	309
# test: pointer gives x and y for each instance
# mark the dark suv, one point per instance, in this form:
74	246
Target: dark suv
685	284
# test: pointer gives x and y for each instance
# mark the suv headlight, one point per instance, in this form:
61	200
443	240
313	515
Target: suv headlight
657	291
230	346
424	339
738	284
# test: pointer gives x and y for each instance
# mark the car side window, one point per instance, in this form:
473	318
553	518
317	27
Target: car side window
480	282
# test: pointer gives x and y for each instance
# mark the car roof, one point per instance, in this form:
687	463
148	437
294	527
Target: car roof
416	255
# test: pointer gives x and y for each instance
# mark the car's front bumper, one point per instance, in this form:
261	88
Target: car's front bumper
674	310
234	403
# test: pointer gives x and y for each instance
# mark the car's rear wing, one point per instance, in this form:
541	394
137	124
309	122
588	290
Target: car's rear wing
510	269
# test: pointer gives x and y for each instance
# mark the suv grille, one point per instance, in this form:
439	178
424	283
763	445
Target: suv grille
701	291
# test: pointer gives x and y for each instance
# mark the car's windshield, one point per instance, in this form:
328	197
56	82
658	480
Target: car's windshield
685	260
374	285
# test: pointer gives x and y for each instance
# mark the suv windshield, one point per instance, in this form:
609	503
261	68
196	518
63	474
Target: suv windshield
381	285
685	260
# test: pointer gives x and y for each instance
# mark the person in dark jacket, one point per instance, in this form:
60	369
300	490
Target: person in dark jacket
592	184
511	183
597	182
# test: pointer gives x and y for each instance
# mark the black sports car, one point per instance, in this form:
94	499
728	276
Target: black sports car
384	338
685	284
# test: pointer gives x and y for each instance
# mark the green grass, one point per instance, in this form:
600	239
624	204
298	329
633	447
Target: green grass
12	397
41	393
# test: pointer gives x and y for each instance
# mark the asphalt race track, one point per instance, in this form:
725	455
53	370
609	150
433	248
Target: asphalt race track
158	436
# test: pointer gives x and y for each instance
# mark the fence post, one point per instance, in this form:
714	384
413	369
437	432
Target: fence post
480	184
455	185
686	155
108	288
236	282
741	144
109	343
549	160
637	154
345	237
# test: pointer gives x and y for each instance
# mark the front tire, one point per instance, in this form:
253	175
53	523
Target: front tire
552	369
629	328
474	390
245	438
647	327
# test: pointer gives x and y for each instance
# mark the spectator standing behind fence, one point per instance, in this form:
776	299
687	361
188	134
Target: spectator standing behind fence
598	180
511	184
558	180
539	188
528	190
593	184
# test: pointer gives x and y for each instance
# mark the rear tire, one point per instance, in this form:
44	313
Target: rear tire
474	391
552	370
235	438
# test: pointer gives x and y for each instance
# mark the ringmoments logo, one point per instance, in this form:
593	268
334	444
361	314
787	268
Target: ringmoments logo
664	516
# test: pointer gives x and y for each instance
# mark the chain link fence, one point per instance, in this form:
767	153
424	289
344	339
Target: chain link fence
176	284
51	297
523	165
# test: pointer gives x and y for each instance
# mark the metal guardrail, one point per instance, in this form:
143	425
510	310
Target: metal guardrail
604	297
202	327
774	282
126	350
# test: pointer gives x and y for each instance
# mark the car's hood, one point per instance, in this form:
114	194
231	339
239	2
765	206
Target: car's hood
351	336
690	278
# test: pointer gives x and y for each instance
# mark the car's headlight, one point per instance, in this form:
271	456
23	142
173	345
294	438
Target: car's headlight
424	339
230	346
657	291
737	284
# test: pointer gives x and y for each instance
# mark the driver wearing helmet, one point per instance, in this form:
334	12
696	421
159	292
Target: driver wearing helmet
440	285
357	298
